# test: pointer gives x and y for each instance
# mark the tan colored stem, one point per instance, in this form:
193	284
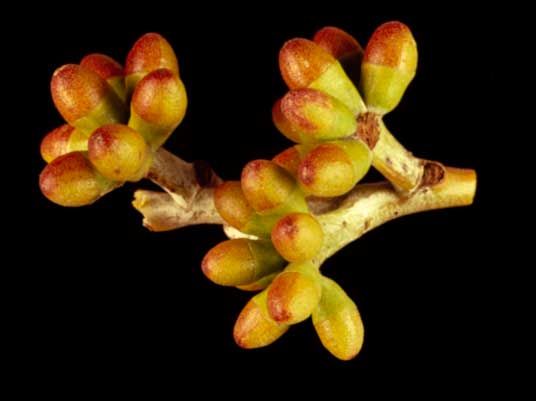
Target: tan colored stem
180	179
396	163
343	219
161	213
390	158
369	205
189	196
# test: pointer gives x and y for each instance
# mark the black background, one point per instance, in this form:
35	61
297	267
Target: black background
104	298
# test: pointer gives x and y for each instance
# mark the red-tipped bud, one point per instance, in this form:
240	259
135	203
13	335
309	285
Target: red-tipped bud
314	116
84	99
291	158
304	64
150	52
344	47
389	66
332	169
282	124
338	43
392	45
337	322
158	106
234	208
71	180
254	327
105	66
232	205
241	261
119	153
297	237
108	69
60	141
270	189
294	293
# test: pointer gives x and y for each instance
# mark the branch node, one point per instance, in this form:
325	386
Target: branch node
368	129
433	174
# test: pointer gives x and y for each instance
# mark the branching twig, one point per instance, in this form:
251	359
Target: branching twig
161	212
344	219
369	205
180	179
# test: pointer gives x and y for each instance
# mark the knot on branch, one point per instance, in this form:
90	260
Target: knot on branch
368	128
433	174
